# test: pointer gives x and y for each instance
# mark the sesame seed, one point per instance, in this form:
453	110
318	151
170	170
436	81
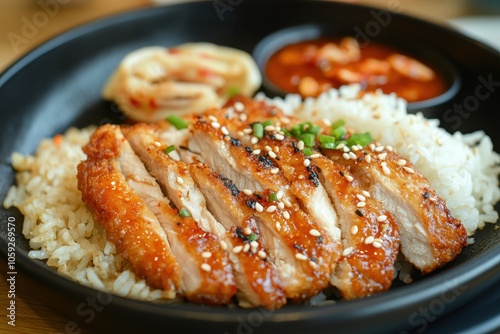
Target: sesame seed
206	255
206	267
271	208
301	177
212	118
258	207
369	240
372	146
276	149
340	146
346	156
379	148
385	227
307	162
215	125
368	158
180	180
355	148
256	152
224	130
314	232
381	218
349	178
279	195
279	136
281	205
389	148
278	226
262	254
237	249
401	162
241	134
327	122
157	144
346	149
272	154
247	131
314	156
286	214
227	138
382	156
247	231
366	193
300	145
378	240
347	251
269	128
238	106
254	140
354	230
300	256
409	170
247	192
434	199
254	244
230	110
385	169
246	248
352	155
268	148
243	117
223	245
275	170
313	264
361	197
377	244
287	203
361	204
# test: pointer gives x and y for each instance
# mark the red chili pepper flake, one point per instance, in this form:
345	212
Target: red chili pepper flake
134	102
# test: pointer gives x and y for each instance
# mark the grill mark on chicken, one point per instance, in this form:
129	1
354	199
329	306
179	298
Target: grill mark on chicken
430	236
206	279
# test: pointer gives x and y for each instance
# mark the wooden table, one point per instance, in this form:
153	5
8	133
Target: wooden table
35	316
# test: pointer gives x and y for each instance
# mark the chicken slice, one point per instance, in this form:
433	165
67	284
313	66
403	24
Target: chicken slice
173	176
205	271
430	236
304	255
369	233
128	223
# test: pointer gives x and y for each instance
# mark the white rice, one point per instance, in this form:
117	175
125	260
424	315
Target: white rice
463	169
59	226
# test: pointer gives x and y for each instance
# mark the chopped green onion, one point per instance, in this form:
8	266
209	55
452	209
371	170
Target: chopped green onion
286	132
314	130
233	91
253	237
273	197
169	149
258	130
362	139
307	151
268	122
308	139
326	139
184	213
297	130
329	146
339	132
338	123
178	122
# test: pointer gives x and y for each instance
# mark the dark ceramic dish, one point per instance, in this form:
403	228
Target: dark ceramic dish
279	39
58	85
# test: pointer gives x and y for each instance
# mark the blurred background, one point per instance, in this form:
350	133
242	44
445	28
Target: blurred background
24	24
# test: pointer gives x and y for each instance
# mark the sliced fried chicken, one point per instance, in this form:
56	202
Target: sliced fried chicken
303	254
430	236
204	267
255	279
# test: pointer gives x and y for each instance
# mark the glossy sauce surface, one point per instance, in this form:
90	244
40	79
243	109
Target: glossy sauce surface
311	67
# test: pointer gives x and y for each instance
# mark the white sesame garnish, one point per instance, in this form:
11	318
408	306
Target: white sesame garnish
349	178
259	208
275	170
238	106
352	155
269	128
247	231
206	255
278	226
268	148
237	249
307	162
314	232
385	169
281	205
286	214
227	138
300	256
380	241
354	230
254	244
279	136
206	267
272	154
271	208
240	134
346	156
276	149
389	148
300	145
279	195
313	264
157	144
301	177
224	130
369	240
354	148
212	118
180	180
262	254
382	156
409	170
256	152
434	199
401	162
346	149
223	245
340	146
381	218
372	146
361	204
246	248
287	203
366	193
247	131
385	227
377	244
314	156
243	117
247	192
379	148
327	122
347	251
254	140
215	125
368	158
361	197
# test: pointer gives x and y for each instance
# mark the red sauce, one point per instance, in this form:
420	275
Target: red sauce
311	67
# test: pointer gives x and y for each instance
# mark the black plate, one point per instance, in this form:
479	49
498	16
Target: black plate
58	85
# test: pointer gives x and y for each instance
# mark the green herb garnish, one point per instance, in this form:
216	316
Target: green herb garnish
178	122
184	213
169	149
